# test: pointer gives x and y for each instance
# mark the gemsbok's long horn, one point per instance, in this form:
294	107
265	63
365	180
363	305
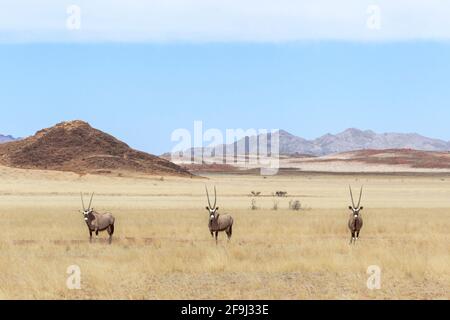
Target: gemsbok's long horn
215	197
351	195
360	195
207	195
82	201
90	202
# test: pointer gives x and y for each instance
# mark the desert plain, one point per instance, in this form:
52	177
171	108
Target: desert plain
162	248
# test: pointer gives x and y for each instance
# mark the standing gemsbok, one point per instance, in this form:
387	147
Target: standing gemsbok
218	223
355	221
97	222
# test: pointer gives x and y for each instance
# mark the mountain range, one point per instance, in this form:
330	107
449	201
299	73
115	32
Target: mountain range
355	139
4	139
348	140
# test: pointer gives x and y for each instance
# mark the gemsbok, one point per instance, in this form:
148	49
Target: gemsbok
97	222
355	221
218	223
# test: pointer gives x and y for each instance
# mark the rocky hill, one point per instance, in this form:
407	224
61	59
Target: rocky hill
77	147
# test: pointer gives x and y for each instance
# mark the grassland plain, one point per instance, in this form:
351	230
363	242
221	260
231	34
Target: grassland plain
162	248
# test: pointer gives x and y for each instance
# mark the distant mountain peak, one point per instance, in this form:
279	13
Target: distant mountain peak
284	132
352	130
6	138
356	131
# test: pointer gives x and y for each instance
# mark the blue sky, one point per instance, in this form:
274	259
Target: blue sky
307	83
142	92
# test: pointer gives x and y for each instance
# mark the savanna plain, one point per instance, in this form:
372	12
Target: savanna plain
162	248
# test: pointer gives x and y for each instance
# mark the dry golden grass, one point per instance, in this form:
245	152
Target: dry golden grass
162	248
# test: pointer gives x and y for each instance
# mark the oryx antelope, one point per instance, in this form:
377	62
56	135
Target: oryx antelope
355	221
97	222
218	223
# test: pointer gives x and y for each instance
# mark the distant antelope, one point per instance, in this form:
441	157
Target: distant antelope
355	221
97	222
218	223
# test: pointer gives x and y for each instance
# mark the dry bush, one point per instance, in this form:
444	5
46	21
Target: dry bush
253	205
275	204
295	205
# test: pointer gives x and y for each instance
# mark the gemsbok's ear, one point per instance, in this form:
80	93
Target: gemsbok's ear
350	207
207	208
361	208
217	208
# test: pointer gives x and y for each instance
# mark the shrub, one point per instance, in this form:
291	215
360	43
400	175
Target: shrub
253	206
295	205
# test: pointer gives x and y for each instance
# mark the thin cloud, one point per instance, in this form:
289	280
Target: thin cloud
225	20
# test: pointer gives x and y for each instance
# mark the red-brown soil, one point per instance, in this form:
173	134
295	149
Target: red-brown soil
210	167
409	157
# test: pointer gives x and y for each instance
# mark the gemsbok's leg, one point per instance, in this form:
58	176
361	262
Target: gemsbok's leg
110	232
90	236
217	235
229	233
